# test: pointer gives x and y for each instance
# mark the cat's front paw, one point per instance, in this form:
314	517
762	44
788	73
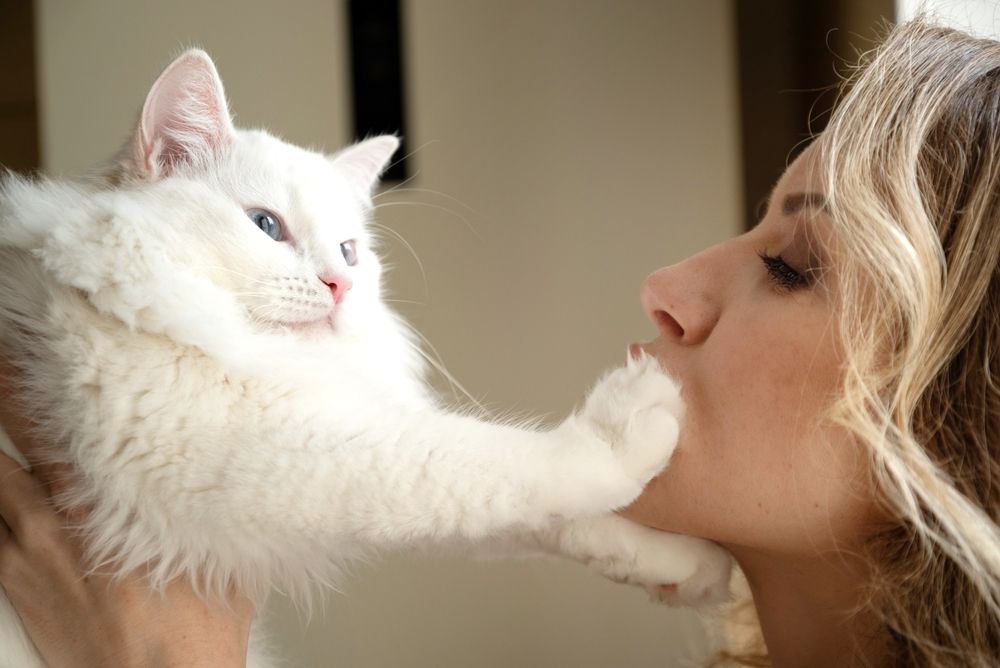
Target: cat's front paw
674	569
637	410
706	586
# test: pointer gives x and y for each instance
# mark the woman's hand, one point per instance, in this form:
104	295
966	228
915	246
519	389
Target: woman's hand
90	620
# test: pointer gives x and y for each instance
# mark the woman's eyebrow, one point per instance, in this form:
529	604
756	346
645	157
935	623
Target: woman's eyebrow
796	202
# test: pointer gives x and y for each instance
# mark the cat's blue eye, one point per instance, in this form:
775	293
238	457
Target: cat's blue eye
350	251
268	222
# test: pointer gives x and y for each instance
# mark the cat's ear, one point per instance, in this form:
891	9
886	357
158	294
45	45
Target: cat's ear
185	118
365	161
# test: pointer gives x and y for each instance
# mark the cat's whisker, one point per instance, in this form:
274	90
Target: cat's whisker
263	311
394	188
259	320
254	279
406	243
265	295
429	205
453	382
404	301
409	155
427	191
437	363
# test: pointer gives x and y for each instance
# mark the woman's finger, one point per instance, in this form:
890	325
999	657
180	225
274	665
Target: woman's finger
18	427
21	496
22	432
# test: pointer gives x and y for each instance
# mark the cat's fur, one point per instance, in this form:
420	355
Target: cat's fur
231	423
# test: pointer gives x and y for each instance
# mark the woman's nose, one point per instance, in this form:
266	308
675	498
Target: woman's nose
679	300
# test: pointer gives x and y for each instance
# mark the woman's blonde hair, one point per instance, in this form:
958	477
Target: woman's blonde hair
910	164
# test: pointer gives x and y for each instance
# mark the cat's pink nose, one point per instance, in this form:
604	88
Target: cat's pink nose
339	285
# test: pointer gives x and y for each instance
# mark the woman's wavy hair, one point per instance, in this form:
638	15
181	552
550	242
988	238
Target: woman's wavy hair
910	164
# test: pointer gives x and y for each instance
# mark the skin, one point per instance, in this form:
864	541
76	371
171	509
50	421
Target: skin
77	619
757	469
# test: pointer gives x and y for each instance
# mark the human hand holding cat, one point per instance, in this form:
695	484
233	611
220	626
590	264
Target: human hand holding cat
93	620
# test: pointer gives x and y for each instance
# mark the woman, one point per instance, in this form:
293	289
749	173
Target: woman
840	364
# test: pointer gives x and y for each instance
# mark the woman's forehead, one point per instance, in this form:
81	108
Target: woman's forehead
804	174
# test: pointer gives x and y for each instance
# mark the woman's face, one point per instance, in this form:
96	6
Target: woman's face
749	329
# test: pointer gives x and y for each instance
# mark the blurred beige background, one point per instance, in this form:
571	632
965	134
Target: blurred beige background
564	150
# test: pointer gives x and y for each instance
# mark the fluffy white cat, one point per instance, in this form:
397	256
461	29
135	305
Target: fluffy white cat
202	337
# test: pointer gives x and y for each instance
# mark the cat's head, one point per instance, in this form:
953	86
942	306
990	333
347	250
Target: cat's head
295	249
231	240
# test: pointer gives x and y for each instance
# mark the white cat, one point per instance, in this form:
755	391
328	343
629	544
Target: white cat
201	334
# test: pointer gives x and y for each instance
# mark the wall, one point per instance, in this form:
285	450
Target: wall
18	109
979	17
564	149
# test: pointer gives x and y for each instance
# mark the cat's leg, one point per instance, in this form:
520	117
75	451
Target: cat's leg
628	552
436	476
284	501
597	460
696	570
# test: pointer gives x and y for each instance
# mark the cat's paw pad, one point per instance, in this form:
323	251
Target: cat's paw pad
707	586
637	410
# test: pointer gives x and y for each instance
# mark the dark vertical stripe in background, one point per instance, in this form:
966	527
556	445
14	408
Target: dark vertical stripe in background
18	107
791	56
377	74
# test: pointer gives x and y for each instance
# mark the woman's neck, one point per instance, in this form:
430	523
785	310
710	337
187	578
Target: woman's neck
811	610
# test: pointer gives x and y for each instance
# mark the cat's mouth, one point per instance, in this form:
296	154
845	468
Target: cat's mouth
323	324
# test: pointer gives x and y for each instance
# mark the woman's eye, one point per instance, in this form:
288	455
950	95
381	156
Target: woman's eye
782	274
268	222
350	251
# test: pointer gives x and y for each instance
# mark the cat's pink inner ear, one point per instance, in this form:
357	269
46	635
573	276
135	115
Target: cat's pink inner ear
185	117
365	161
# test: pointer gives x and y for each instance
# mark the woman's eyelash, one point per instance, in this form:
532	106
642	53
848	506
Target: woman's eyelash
782	274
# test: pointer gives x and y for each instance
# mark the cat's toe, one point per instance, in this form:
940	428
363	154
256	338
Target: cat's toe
707	586
637	409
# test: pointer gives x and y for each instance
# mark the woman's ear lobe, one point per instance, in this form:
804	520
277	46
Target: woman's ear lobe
185	118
